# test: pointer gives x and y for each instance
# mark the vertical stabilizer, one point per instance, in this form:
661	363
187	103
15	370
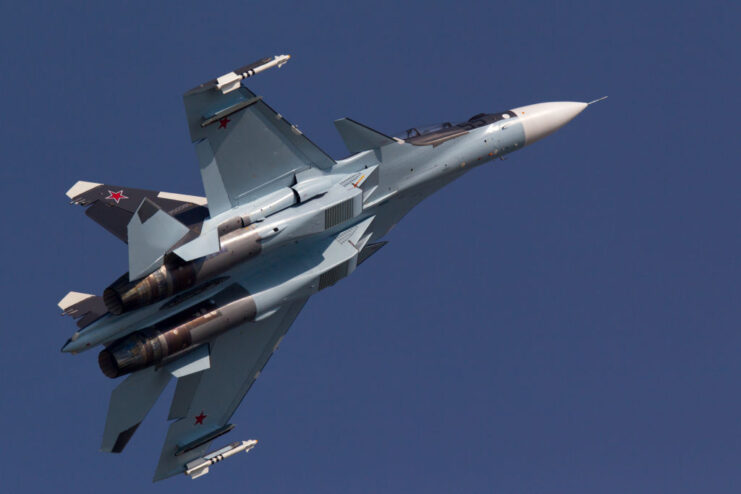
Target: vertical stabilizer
151	232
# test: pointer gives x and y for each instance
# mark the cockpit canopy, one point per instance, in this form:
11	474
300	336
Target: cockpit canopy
421	130
441	132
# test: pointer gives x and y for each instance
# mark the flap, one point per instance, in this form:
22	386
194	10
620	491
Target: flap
130	403
195	361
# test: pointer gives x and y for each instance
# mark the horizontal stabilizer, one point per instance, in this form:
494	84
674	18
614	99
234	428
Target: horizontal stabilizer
130	403
358	137
151	233
112	206
84	307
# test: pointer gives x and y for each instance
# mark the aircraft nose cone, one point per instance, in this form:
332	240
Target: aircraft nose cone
543	119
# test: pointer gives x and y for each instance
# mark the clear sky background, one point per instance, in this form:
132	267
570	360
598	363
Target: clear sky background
564	321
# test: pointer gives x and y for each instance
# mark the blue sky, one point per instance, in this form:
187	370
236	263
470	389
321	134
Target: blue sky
564	321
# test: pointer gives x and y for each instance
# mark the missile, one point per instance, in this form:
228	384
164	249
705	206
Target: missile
230	81
199	466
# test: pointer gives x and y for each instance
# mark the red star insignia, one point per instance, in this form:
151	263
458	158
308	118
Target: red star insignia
199	418
116	196
223	122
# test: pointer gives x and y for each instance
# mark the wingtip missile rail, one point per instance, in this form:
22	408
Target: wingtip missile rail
200	466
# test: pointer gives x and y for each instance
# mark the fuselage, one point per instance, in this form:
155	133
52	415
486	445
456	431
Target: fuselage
277	247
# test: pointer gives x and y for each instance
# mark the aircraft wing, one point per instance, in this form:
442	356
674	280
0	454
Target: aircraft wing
244	147
205	401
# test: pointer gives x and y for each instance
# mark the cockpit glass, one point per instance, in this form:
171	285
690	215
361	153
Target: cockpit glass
423	130
437	133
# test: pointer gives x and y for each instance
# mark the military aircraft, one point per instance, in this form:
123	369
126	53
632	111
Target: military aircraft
215	282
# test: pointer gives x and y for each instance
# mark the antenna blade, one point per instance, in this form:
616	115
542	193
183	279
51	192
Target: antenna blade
597	100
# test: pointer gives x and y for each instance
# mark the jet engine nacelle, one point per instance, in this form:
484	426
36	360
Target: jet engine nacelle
166	341
171	278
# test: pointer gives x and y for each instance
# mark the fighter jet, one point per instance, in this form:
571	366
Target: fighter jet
215	282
